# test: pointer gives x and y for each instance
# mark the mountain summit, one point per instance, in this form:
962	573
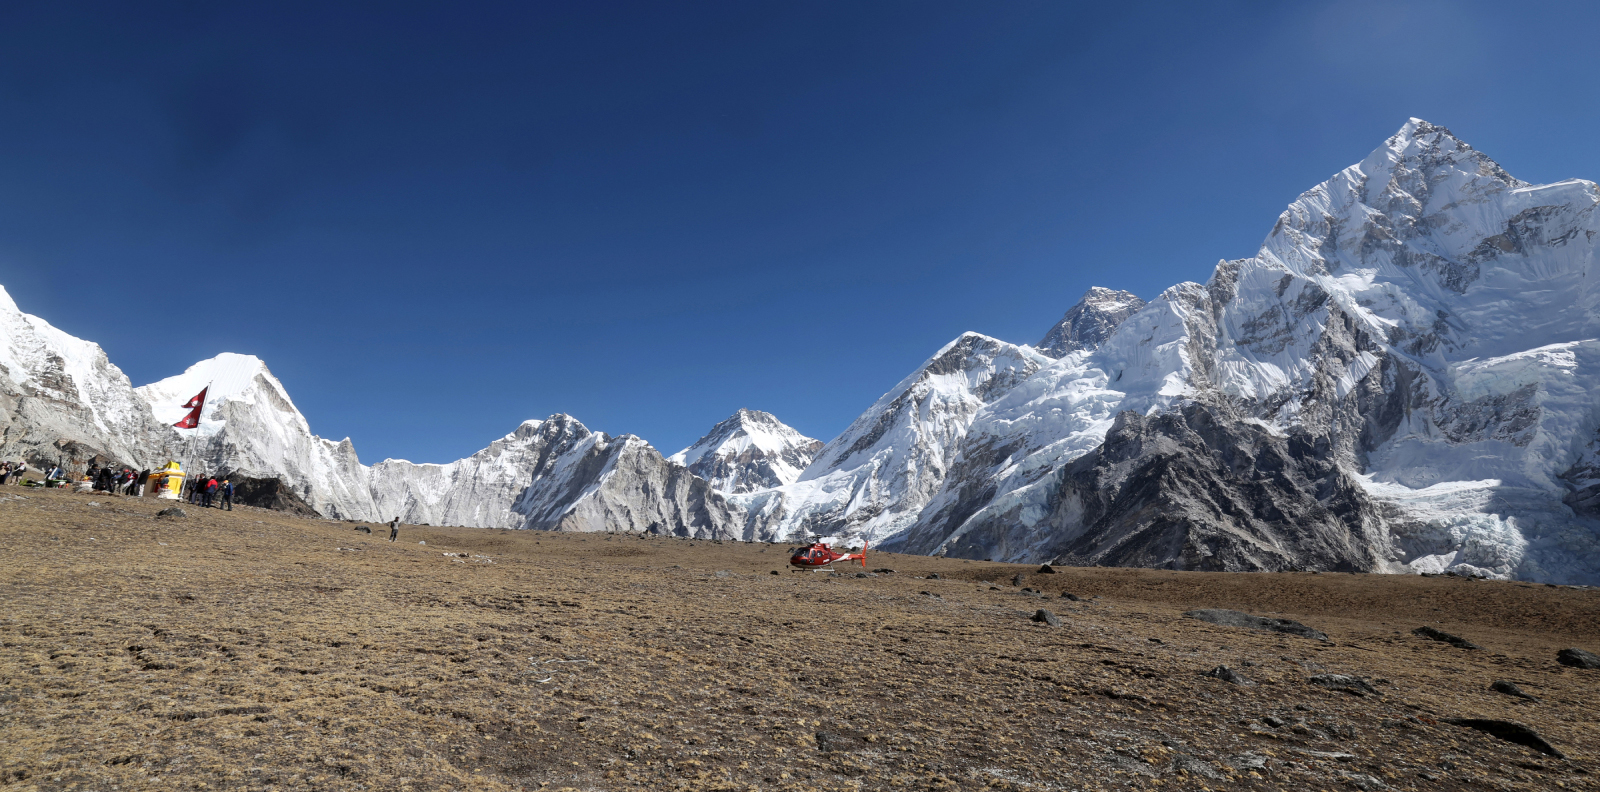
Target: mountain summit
751	450
1089	323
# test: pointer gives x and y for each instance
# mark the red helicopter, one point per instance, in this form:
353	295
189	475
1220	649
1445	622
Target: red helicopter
820	555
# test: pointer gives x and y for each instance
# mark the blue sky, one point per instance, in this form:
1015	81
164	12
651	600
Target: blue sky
436	221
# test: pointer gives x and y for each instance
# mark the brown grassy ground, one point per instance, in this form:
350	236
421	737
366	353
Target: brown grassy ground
251	650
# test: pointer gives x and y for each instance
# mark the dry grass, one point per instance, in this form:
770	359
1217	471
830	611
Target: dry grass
251	650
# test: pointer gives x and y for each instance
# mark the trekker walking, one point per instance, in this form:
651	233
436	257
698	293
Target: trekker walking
394	529
227	494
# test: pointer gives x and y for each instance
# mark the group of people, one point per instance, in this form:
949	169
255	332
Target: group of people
117	482
203	492
11	472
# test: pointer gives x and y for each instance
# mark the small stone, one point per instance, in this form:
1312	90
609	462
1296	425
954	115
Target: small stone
1345	683
722	573
1046	569
1248	761
774	571
1184	763
1510	732
1578	658
884	571
1067	595
934	576
1444	637
1364	782
1047	617
1510	689
1016	580
1230	676
172	511
1233	618
1273	722
865	575
826	742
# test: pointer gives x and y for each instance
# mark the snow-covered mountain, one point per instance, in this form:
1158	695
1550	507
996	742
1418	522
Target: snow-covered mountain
749	451
1423	320
1089	323
873	480
61	398
555	474
250	425
1402	378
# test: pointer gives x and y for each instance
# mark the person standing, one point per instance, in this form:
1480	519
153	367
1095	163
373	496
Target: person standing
227	493
210	492
394	529
144	478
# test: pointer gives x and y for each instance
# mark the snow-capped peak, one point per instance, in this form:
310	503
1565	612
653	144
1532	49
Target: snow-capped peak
1089	323
228	377
751	450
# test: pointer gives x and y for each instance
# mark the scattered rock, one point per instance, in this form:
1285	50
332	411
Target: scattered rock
1184	763
865	575
1233	618
934	576
1248	761
1273	722
1016	580
1067	595
1510	689
1344	682
1230	676
1045	569
884	571
1444	637
363	529
423	543
774	571
826	742
1364	782
1047	617
722	573
172	511
1578	658
1508	731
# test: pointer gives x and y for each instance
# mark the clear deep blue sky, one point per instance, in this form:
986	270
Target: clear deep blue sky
435	222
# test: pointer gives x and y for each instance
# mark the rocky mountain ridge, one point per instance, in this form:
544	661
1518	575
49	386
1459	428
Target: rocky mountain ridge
1401	379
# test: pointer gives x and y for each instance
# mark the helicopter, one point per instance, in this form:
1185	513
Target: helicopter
819	555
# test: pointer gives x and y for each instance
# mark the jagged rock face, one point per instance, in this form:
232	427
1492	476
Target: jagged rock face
750	451
873	480
1192	489
63	402
634	490
481	490
1089	323
267	493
